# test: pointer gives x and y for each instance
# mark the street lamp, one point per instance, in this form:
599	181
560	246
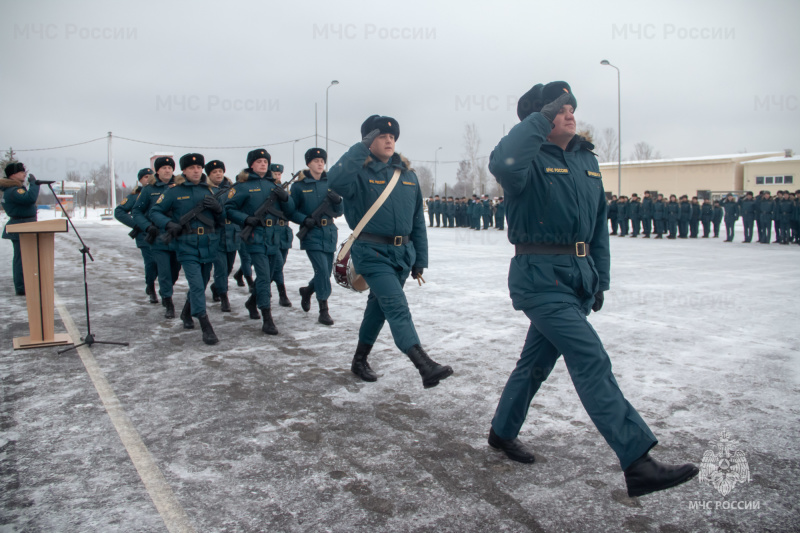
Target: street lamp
334	82
619	130
435	168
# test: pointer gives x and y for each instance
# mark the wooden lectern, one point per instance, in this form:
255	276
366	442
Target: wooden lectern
37	244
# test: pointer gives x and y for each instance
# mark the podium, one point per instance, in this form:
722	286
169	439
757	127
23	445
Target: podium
37	244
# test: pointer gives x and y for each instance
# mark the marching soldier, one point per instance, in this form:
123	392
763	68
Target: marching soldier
659	212
257	204
673	213
123	213
316	206
197	238
748	208
684	218
731	216
164	254
228	239
717	217
694	218
706	214
612	214
285	244
392	246
647	214
634	213
20	204
556	196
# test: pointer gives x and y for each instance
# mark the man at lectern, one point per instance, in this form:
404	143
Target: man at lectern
20	204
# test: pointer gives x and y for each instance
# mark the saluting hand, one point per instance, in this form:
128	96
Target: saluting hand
369	137
550	110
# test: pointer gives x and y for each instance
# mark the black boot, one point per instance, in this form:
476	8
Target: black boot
432	372
186	315
283	300
305	297
151	292
214	293
647	475
208	332
324	317
268	326
170	312
226	304
250	304
239	277
360	367
513	448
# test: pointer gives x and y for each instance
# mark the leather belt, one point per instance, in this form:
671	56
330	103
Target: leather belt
397	240
202	230
579	249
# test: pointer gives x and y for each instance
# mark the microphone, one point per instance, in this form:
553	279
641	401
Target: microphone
43	182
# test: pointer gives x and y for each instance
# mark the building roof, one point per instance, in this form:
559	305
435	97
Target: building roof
773	160
760	156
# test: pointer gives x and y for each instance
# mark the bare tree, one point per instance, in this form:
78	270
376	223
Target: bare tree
472	143
425	177
642	151
607	146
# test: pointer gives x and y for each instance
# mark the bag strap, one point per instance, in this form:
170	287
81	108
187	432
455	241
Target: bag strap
370	213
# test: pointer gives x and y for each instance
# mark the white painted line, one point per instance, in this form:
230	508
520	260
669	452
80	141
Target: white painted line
175	518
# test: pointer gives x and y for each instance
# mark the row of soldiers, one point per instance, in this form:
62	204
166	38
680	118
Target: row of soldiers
450	212
201	219
681	218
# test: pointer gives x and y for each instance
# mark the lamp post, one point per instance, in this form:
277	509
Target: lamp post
435	168
334	82
619	130
293	145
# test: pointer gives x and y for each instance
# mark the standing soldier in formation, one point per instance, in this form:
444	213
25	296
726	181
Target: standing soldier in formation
796	218
123	213
784	214
748	209
286	237
716	219
437	209
694	218
612	214
706	214
765	207
20	204
659	213
500	214
258	203
429	205
228	242
634	213
486	212
776	219
197	238
685	217
647	214
451	212
392	246
731	216
164	254
673	213
570	213
477	209
622	215
316	206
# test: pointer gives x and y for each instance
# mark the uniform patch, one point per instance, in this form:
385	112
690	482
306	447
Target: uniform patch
409	183
255	190
183	197
378	182
21	191
593	174
555	170
159	199
125	201
231	193
308	190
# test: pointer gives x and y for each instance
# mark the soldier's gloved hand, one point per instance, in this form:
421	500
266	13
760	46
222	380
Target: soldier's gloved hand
31	179
281	194
334	198
369	137
550	110
598	301
416	272
253	221
152	231
212	204
173	229
309	222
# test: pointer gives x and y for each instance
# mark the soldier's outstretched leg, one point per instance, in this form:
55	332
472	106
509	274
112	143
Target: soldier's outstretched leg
209	337
305	296
322	262
165	269
197	275
150	273
360	367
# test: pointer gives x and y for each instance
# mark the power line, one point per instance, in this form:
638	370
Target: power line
213	147
57	147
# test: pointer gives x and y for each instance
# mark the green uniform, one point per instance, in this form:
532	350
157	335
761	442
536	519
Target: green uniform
123	213
748	209
500	215
556	197
228	245
706	213
731	208
20	205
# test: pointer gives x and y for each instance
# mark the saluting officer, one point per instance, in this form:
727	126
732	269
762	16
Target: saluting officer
164	254
286	239
20	204
393	244
557	223
309	193
228	239
123	213
197	239
254	191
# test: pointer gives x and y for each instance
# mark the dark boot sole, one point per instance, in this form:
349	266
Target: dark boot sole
364	377
634	493
434	380
525	459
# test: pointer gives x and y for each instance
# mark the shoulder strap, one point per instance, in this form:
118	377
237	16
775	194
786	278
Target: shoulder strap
370	213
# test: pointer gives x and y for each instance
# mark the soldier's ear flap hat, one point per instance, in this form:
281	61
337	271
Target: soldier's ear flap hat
145	172
164	162
540	95
255	155
383	124
13	168
213	165
313	153
192	159
275	167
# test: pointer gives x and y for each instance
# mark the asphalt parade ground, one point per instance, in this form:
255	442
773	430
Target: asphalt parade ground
271	434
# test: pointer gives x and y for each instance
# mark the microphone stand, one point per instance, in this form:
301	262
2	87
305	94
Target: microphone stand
89	339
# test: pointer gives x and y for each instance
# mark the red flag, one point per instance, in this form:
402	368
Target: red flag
123	185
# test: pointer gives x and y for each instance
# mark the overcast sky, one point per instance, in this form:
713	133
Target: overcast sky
698	78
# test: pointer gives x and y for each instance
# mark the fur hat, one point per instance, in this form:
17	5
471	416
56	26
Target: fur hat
276	167
145	173
313	153
540	95
164	162
384	124
192	159
13	168
260	153
213	165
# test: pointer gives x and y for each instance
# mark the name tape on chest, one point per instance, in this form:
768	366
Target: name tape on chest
409	183
378	182
555	170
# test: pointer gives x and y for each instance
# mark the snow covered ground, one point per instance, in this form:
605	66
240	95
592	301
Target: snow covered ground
274	434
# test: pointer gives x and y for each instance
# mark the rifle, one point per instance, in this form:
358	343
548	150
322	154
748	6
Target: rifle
323	209
196	212
267	207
